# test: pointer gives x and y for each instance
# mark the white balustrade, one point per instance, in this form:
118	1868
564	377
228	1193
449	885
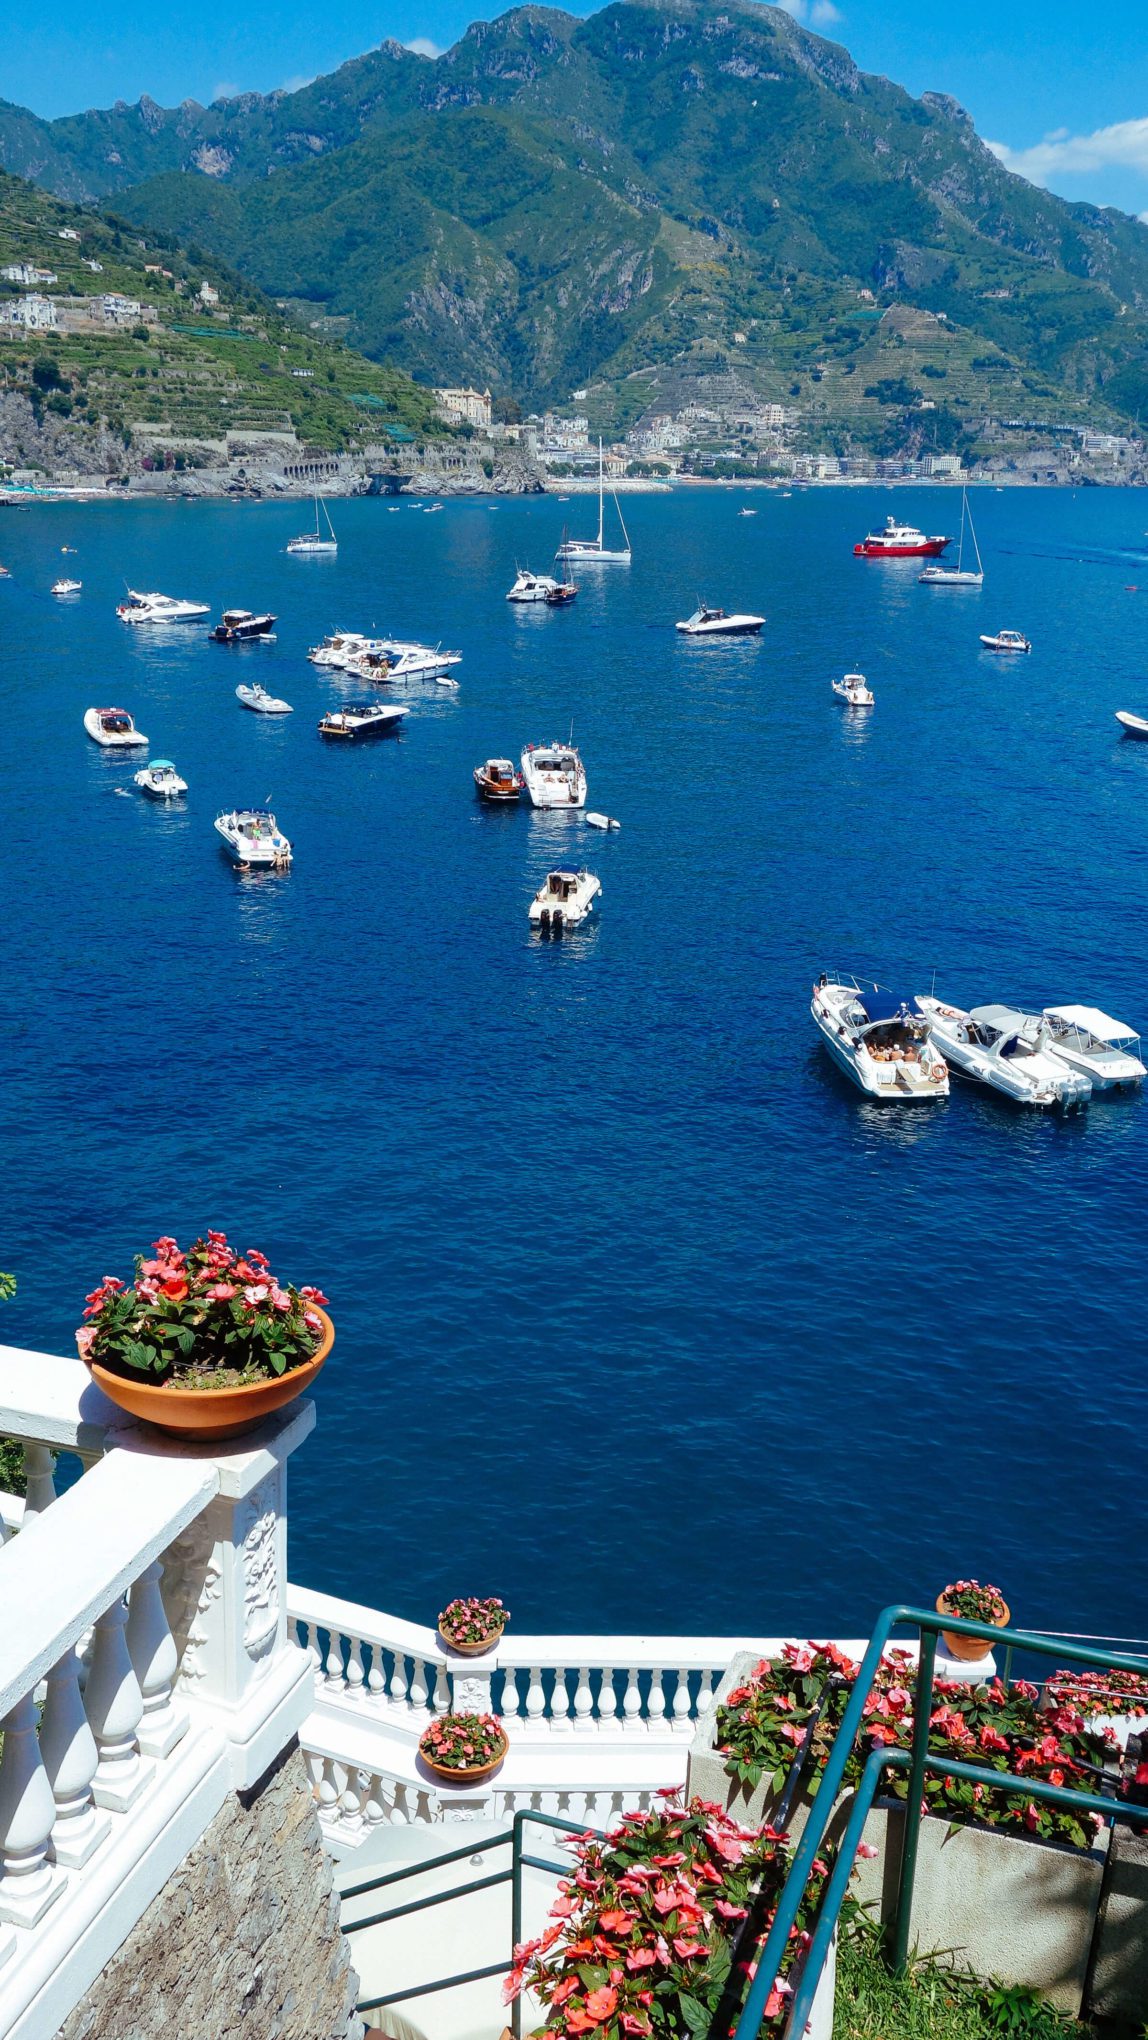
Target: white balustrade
29	1880
40	1484
70	1757
114	1706
155	1662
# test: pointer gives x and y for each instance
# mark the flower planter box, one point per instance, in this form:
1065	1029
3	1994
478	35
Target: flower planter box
706	1774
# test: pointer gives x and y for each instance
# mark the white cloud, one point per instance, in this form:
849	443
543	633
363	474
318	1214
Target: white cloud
226	91
823	13
296	84
422	46
794	7
1123	146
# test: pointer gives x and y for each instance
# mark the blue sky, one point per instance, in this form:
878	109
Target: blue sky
1064	95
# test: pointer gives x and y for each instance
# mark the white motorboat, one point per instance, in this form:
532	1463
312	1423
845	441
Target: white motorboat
555	776
1102	1049
594	551
66	587
114	729
363	719
313	544
1008	1050
160	780
398	660
257	697
565	900
855	689
959	576
1005	641
747	513
339	648
900	542
1132	725
243	626
706	623
254	839
530	587
159	609
879	1039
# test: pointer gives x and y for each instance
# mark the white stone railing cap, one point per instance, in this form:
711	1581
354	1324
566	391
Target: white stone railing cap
51	1399
240	1463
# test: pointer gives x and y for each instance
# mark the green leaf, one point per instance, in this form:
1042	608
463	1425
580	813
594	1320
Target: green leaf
696	2016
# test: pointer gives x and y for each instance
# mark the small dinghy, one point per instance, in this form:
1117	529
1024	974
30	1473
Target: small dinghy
597	821
254	839
362	719
565	900
1132	725
1006	641
497	780
66	587
854	689
257	697
706	622
241	627
114	729
160	780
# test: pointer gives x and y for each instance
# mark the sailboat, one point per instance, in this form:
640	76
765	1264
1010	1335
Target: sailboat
592	551
313	542
959	576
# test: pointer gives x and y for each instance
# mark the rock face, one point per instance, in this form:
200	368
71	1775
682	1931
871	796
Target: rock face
244	1939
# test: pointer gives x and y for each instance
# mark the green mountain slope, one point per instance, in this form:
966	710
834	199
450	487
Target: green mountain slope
557	202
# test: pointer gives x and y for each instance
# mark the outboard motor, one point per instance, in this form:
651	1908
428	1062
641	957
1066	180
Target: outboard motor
544	920
557	922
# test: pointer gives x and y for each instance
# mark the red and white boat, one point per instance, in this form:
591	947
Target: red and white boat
900	542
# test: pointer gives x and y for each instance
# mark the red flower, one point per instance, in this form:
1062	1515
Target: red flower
612	1922
578	2020
684	1947
641	1958
600	2003
175	1289
565	1989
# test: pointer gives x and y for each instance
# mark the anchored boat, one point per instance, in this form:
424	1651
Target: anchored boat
257	697
159	609
959	576
565	900
241	626
113	728
854	689
555	776
497	780
706	622
160	780
594	551
254	839
363	719
313	544
899	542
1008	1050
879	1039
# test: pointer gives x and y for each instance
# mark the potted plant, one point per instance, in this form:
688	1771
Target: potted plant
206	1343
463	1749
972	1603
472	1627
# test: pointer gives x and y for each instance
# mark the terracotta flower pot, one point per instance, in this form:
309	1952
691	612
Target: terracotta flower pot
969	1650
475	1774
478	1649
200	1413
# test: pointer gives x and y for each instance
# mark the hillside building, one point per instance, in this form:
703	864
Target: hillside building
465	407
31	314
26	274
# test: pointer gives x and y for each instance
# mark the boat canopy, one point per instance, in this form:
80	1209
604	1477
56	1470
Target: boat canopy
998	1016
160	765
1091	1020
882	1005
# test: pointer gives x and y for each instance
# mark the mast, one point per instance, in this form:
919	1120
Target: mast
976	547
601	500
961	541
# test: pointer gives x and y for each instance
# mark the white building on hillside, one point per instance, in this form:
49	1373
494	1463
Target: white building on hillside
564	435
120	311
27	274
465	407
33	314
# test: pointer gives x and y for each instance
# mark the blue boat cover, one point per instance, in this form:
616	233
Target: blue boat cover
882	1005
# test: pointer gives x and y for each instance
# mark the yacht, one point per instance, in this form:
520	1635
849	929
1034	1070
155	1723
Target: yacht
254	839
1006	641
1132	725
66	587
239	626
337	649
566	899
257	697
899	542
595	551
160	780
400	659
114	729
879	1039
530	587
554	775
1008	1050
159	609
959	576
312	544
706	622
1102	1049
854	689
497	780
363	719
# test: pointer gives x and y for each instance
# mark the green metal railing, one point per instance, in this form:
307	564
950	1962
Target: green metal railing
917	1761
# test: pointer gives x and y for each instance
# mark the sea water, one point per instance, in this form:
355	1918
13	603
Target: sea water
646	1320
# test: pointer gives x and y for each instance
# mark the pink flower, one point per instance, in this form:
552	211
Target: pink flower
801	1660
600	2003
685	1948
313	1295
867	1851
640	1958
222	1292
280	1298
255	1294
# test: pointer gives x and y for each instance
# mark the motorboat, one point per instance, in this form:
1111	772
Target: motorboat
566	899
241	626
529	587
1132	725
363	719
1006	641
706	622
959	576
595	551
1102	1049
159	609
561	595
497	780
596	821
160	780
899	542
66	587
879	1039
747	513
114	729
855	689
313	544
338	648
1008	1050
254	839
555	776
399	660
257	697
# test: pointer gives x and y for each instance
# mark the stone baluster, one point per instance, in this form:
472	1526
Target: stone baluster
155	1661
632	1703
114	1706
656	1705
705	1693
535	1698
374	1804
513	1703
607	1700
333	1663
376	1677
400	1810
328	1792
41	1486
418	1686
682	1721
397	1688
29	1881
351	1807
584	1721
442	1683
69	1754
355	1673
560	1704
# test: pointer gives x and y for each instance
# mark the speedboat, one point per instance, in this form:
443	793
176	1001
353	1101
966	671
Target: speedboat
530	587
899	542
114	729
594	551
338	648
1008	1050
399	660
240	625
312	544
362	719
747	513
160	780
565	900
497	780
257	697
253	838
1102	1049
555	776
707	622
854	689
66	587
1006	641
1132	725
159	609
879	1039
959	576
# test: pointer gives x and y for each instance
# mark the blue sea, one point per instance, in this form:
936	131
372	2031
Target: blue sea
646	1321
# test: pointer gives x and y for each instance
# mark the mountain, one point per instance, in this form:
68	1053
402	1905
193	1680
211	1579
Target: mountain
653	194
